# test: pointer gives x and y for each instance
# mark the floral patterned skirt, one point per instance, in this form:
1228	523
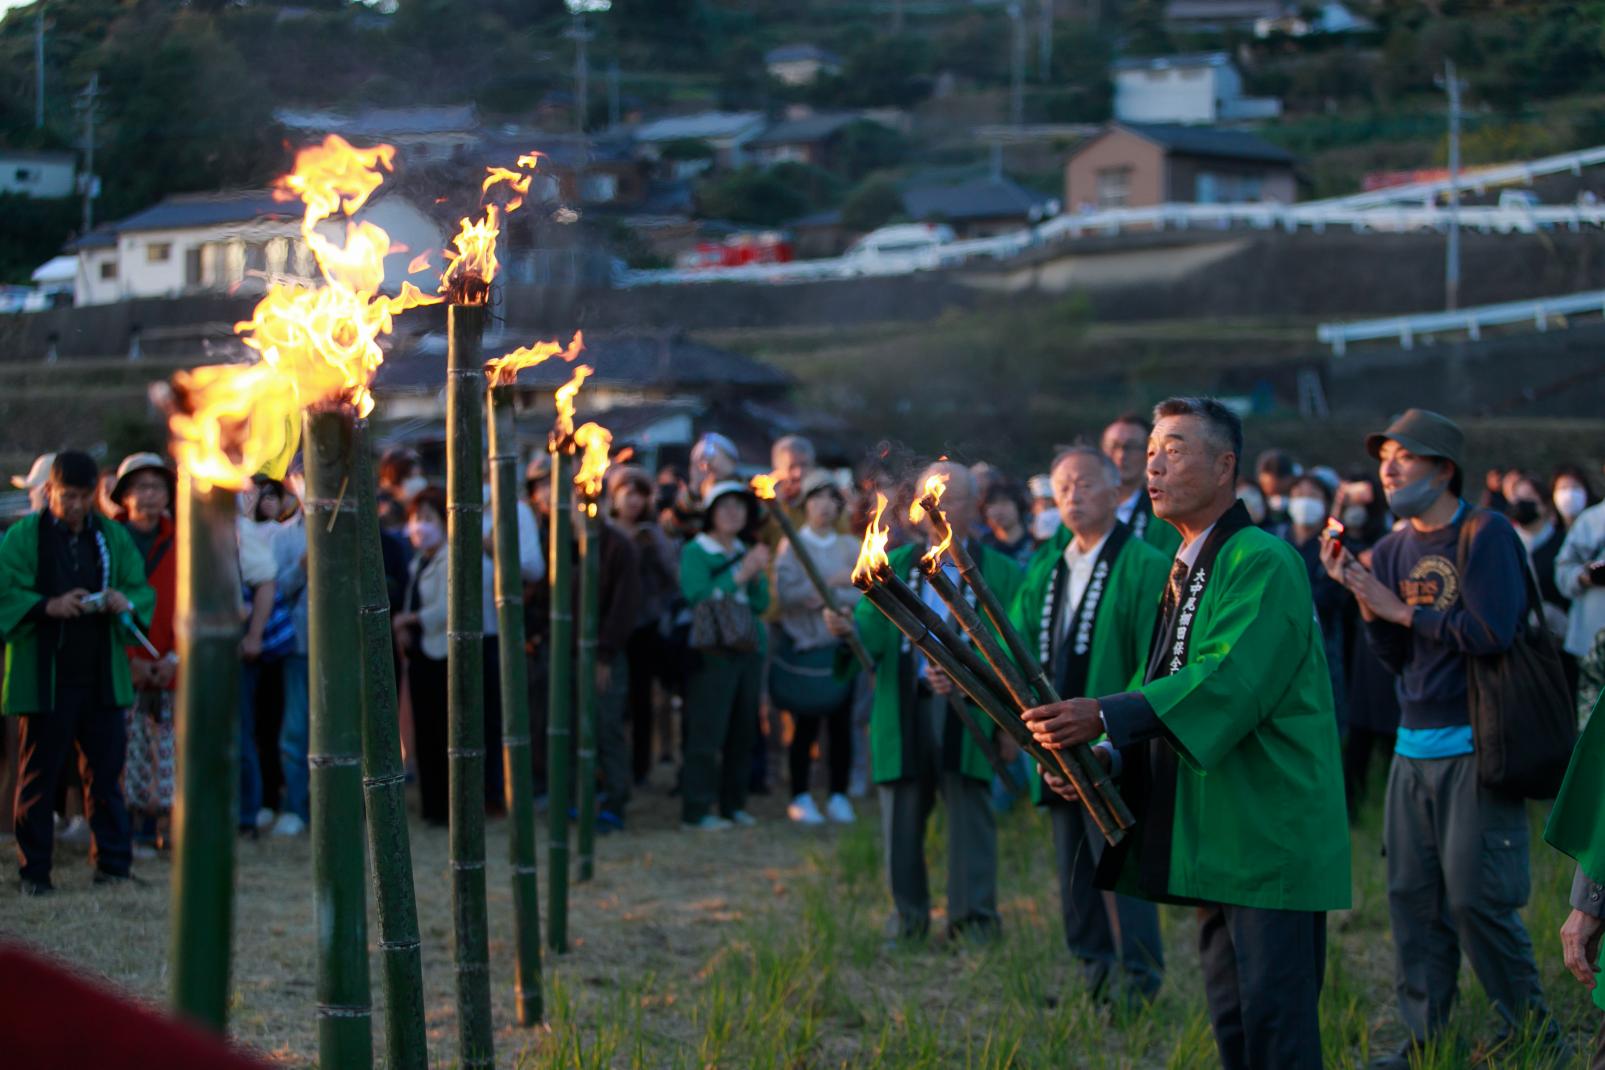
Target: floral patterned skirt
148	772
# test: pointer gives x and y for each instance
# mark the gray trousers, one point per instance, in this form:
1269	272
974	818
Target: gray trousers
1458	874
613	755
1262	980
1129	939
972	837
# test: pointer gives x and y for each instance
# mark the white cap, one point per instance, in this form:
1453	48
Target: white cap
38	475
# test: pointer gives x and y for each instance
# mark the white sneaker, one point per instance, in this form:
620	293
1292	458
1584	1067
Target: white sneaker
709	823
264	819
289	824
75	831
803	811
744	819
143	852
839	810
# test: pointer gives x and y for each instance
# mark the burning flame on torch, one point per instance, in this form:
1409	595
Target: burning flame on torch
872	554
325	340
565	402
503	371
471	262
764	487
233	421
934	488
596	441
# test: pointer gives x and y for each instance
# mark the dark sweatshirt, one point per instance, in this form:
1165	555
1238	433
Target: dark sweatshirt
620	596
1455	615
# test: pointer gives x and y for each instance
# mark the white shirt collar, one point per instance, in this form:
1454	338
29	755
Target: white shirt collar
1073	556
711	545
1188	554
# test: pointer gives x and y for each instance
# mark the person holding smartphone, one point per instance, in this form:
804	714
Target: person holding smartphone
1580	570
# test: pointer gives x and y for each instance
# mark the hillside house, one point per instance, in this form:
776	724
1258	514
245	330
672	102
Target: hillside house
1201	88
801	64
1135	165
726	133
419	134
40	175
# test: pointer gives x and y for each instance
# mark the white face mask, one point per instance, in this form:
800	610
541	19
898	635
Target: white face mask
1570	501
1306	512
1045	524
411	486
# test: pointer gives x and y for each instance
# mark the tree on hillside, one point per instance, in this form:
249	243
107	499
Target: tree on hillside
873	204
881	71
867	146
751	195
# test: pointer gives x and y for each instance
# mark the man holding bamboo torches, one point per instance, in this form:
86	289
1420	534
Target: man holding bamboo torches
920	748
1087	608
1236	688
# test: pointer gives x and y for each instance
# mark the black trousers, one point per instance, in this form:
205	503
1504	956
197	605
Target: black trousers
838	756
1262	979
46	741
426	683
644	653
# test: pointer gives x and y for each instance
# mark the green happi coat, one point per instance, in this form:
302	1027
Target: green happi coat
25	692
1577	823
1248	741
894	705
1123	626
1160	534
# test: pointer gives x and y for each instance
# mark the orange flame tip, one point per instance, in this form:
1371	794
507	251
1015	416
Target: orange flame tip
232	422
471	262
421	262
596	441
872	554
934	488
764	487
503	370
565	402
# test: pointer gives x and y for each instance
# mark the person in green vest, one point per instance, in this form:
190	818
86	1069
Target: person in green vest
1577	828
1228	752
71	584
1125	442
919	748
1087	607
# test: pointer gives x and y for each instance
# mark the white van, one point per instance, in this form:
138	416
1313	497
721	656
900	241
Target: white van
899	249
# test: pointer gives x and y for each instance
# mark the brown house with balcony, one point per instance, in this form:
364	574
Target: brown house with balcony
1136	165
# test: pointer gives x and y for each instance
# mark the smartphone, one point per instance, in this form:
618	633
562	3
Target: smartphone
1596	573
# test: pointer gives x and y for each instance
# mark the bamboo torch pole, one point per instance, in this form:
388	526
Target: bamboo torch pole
517	773
764	488
345	1035
385	788
1079	763
465	672
560	694
207	725
585	670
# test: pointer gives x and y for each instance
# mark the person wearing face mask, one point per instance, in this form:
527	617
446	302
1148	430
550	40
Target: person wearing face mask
420	630
1540	533
1308	506
1275	471
1045	519
1457	853
1579	570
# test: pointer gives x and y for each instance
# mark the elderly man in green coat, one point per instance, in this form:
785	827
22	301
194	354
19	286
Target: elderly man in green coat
71	582
1228	752
919	748
1577	827
1087	607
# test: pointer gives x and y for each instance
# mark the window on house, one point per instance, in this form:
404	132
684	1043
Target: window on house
158	252
1114	187
192	265
108	270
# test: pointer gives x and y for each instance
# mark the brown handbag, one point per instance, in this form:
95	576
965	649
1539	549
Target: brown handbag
721	624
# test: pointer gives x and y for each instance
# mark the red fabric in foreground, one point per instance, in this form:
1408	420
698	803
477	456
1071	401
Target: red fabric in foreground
51	1018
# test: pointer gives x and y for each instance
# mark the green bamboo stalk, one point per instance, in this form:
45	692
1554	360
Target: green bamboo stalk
560	697
465	672
585	685
517	773
207	724
384	783
340	911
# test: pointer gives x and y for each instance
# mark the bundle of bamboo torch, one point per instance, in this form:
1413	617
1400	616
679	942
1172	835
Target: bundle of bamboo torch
1003	684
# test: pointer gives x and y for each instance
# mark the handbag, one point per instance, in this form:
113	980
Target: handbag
804	682
1523	720
723	625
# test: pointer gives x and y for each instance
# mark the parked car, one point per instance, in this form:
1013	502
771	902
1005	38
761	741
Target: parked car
899	249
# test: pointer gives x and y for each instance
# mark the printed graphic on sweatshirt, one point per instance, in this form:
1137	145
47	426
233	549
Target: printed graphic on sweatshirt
1433	582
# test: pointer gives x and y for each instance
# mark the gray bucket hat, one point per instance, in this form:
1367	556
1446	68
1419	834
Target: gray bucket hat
1422	432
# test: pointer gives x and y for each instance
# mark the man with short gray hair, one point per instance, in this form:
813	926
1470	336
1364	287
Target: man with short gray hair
1228	752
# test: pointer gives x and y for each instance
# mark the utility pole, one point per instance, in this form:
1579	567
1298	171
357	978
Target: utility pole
613	108
39	66
581	34
1045	42
1017	73
86	104
1451	268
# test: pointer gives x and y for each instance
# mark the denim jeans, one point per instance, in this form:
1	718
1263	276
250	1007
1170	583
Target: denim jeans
293	737
250	769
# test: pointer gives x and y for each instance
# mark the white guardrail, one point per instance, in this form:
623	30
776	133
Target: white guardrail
1406	329
1316	215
